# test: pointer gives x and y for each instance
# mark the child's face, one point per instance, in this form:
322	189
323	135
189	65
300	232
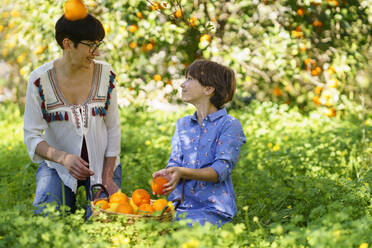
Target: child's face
192	91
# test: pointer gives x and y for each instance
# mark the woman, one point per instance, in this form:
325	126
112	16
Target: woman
71	121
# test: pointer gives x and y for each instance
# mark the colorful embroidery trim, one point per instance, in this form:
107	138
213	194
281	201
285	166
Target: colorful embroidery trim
49	117
102	111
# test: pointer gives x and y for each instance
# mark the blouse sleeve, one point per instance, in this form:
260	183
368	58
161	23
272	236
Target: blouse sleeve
34	124
228	148
176	156
113	123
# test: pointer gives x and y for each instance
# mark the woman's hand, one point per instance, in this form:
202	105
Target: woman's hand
110	185
77	167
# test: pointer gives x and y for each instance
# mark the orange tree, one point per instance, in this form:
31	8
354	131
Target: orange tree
306	53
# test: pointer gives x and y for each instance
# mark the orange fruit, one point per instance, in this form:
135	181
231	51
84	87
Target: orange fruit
75	10
178	13
103	204
132	45
145	209
140	196
277	91
119	197
317	23
149	46
157	185
157	77
160	204
132	28
124	208
113	206
139	15
205	38
301	12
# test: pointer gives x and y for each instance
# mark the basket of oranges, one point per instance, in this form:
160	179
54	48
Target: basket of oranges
138	206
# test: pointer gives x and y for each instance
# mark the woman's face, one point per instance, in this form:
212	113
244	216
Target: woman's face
84	53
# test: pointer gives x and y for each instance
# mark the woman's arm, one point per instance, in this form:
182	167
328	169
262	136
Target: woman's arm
108	175
75	165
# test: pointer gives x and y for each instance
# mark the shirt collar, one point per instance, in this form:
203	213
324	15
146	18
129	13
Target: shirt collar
212	117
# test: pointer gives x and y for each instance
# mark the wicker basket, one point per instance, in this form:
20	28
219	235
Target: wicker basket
165	216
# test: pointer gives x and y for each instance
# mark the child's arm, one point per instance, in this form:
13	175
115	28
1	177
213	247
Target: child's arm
174	174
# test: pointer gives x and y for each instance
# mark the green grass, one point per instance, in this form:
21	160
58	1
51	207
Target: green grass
301	181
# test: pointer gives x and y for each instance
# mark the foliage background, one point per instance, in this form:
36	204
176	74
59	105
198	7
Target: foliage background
303	179
308	53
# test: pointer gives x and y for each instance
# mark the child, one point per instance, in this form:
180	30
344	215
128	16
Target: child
205	147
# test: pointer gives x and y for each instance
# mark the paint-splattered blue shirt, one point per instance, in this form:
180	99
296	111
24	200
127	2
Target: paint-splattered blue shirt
215	143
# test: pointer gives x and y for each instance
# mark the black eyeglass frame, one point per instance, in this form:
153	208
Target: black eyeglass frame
92	46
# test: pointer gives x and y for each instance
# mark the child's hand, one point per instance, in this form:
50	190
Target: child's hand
160	173
173	174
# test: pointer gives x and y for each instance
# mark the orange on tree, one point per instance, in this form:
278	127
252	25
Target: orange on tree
317	23
157	185
178	14
140	196
301	12
124	208
192	21
103	204
160	204
75	10
119	197
132	45
145	208
277	91
132	28
205	38
316	71
330	112
318	89
149	46
157	77
139	15
316	100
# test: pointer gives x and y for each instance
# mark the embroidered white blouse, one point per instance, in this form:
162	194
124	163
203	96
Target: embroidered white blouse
49	117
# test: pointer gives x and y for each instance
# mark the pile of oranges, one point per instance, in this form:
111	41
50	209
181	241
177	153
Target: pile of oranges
139	203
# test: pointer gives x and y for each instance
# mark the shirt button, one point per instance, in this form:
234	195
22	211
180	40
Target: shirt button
195	148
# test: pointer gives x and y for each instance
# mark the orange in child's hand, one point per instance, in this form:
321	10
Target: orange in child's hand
145	209
124	208
119	197
160	204
157	185
140	196
75	10
103	204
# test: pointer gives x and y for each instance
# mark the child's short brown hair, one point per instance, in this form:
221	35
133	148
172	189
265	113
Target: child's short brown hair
220	77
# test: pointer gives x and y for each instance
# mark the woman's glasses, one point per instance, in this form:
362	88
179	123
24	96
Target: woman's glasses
92	46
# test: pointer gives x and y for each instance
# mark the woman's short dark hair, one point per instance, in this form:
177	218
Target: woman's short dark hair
220	77
88	28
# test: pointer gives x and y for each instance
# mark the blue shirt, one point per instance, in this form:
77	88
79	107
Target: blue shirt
215	143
